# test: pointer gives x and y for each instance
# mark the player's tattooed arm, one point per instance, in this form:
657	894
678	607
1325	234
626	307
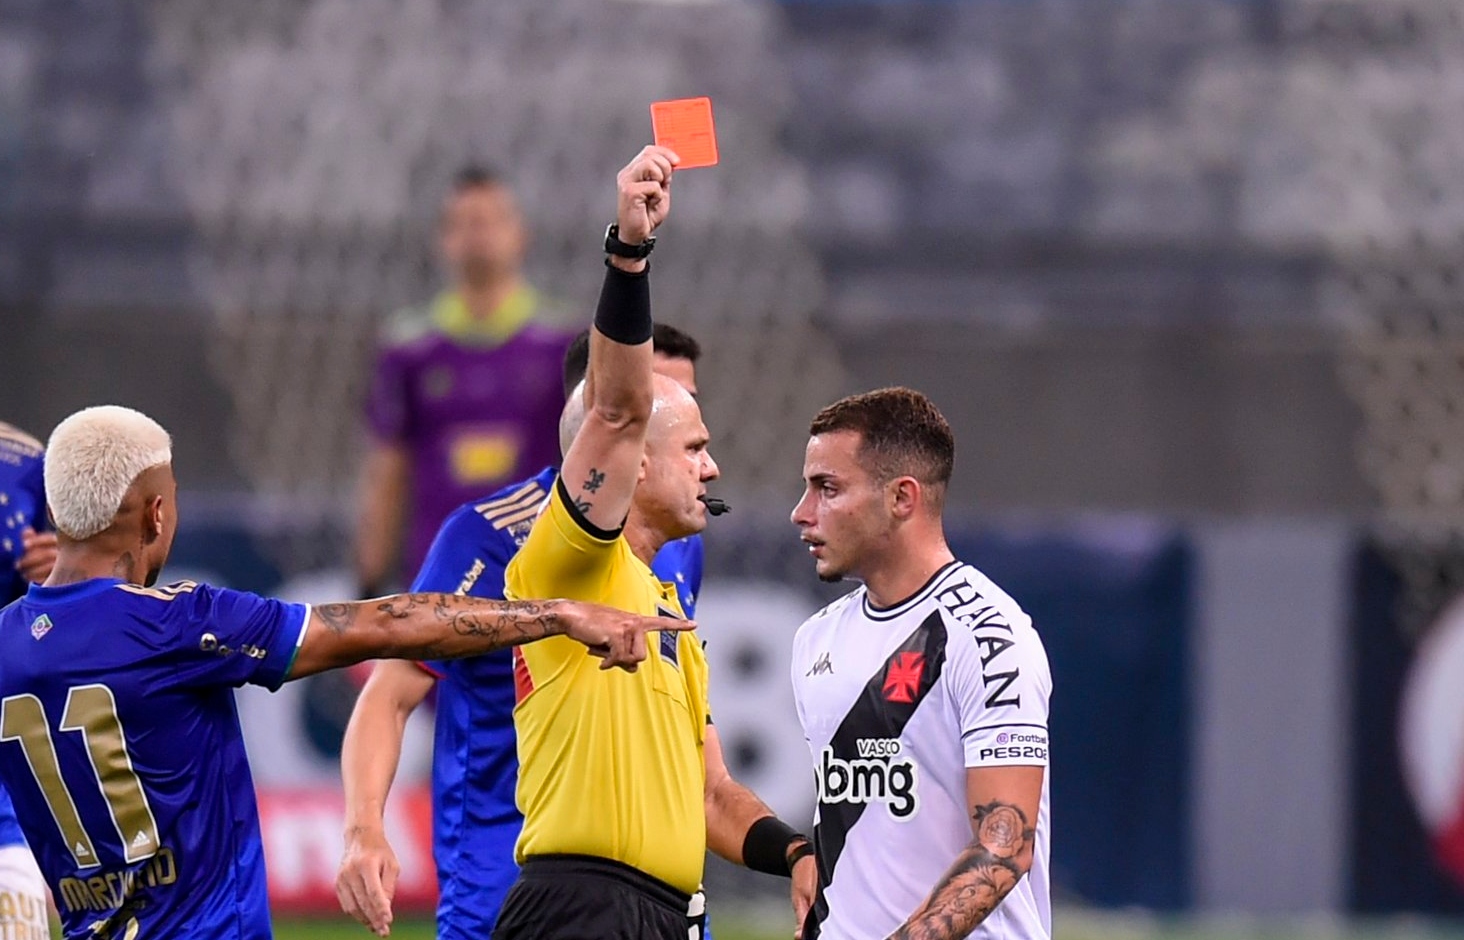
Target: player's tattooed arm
503	623
990	866
445	626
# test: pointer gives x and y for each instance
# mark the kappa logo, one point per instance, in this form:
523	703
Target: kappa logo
41	626
821	666
902	679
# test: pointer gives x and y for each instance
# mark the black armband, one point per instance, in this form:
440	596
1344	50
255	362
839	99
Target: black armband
624	313
765	847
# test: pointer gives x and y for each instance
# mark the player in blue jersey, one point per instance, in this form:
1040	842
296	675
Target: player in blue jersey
26	555
475	762
119	739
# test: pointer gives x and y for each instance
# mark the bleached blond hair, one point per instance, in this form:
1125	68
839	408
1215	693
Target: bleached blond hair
91	460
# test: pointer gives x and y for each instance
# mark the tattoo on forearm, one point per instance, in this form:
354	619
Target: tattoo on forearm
503	623
982	875
595	480
336	616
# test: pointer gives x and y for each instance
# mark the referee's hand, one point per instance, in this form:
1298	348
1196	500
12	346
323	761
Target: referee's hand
617	637
367	880
643	193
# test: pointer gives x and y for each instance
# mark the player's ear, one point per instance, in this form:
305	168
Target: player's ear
645	466
153	518
903	496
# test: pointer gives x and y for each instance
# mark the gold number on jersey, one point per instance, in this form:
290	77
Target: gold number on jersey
91	710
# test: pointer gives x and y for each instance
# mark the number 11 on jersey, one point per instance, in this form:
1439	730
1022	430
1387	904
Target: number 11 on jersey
92	711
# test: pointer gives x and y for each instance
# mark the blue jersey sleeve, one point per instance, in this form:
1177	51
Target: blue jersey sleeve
467	557
224	637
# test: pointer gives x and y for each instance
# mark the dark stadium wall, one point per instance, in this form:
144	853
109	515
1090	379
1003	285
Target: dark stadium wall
1114	607
1395	860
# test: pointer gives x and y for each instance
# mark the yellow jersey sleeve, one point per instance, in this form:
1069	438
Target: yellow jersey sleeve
564	555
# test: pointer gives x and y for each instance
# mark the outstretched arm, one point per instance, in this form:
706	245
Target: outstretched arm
446	626
1003	802
603	463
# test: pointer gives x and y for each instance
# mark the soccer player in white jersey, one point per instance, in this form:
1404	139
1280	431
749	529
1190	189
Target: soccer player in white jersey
923	697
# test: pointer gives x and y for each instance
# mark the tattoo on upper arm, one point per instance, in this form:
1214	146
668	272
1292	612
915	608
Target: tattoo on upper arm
982	875
592	484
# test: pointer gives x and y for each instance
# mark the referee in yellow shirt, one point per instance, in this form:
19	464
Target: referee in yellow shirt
621	777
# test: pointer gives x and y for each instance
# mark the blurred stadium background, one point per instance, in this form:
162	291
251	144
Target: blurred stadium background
1184	274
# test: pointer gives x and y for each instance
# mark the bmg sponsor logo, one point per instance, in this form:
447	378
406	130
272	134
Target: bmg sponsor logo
878	775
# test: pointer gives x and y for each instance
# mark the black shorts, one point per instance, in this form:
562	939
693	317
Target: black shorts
581	897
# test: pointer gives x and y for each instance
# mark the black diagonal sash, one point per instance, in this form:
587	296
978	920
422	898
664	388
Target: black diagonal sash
882	710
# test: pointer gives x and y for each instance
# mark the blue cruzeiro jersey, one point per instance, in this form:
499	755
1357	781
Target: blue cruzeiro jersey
22	504
475	760
120	745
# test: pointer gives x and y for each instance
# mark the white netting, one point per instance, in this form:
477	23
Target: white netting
314	141
1343	139
1386	80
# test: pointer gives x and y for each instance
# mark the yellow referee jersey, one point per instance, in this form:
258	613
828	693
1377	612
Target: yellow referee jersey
611	763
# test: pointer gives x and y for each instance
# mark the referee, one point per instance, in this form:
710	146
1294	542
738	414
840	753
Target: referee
622	781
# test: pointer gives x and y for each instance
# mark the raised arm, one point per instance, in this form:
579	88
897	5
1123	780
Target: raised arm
1003	803
446	626
603	464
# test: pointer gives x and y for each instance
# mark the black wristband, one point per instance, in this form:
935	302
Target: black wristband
765	847
798	854
624	313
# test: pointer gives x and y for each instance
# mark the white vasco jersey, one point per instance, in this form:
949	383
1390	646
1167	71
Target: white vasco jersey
895	705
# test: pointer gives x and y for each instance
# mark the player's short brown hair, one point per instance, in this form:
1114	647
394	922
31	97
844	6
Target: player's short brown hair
901	433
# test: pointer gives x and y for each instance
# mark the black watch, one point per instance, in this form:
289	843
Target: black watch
614	246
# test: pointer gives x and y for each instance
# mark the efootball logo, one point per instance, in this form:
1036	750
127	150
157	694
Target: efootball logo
902	679
41	626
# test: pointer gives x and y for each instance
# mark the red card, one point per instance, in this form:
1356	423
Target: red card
685	126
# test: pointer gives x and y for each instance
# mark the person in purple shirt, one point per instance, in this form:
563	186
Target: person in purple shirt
465	395
119	738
